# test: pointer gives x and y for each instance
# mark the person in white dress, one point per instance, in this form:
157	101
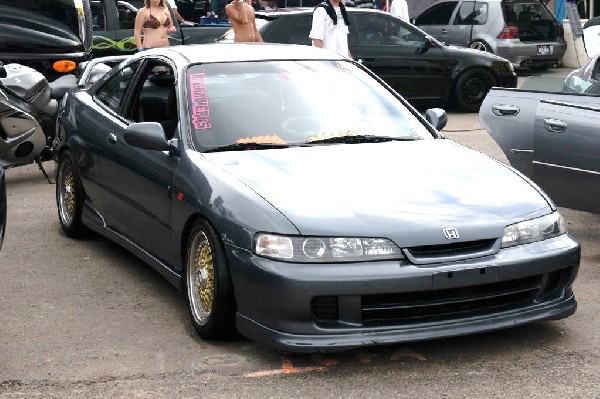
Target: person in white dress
330	27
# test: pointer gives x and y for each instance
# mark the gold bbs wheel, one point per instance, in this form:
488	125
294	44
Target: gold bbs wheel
209	289
69	196
201	278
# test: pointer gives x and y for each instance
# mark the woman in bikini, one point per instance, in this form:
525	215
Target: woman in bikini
153	21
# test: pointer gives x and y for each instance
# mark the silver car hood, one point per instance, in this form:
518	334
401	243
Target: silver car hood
407	191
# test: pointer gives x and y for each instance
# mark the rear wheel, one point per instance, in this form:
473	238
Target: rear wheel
69	196
471	88
481	46
208	284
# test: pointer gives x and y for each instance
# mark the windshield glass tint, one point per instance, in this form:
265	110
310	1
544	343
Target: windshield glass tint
292	102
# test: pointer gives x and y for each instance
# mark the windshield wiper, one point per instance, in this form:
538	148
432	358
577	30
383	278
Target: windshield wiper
247	146
354	139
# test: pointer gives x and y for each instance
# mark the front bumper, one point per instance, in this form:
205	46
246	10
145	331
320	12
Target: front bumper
307	308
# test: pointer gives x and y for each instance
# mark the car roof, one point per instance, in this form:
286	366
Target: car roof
236	52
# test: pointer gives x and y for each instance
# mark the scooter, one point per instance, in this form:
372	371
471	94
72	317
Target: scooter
28	109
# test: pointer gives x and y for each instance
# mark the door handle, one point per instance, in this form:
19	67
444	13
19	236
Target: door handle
112	138
505	110
555	125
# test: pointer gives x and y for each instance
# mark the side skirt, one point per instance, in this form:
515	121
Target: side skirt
94	220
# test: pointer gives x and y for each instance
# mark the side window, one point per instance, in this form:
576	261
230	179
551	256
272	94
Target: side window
156	100
472	13
98	17
290	30
127	13
379	29
439	14
113	90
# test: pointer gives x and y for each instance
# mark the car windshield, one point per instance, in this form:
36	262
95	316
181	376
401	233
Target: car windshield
293	103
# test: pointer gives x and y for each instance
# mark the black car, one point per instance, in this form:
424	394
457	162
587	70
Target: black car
420	68
52	36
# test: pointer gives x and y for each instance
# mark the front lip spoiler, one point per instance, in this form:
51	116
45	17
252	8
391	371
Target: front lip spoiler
295	343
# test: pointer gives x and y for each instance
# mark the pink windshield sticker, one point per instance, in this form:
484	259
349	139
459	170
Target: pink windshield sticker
200	109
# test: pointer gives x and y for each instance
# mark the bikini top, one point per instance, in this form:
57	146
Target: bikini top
153	23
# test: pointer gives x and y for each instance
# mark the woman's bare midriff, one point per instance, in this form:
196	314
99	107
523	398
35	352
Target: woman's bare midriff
155	37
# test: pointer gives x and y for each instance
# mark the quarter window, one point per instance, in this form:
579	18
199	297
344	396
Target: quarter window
113	90
472	13
439	14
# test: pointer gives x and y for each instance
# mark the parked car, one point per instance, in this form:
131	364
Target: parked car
549	132
419	67
51	36
339	219
525	32
113	22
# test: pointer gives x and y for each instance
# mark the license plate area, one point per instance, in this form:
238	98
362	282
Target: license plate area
544	49
464	277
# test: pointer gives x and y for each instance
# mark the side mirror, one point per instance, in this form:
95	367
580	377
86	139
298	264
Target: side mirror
437	117
147	135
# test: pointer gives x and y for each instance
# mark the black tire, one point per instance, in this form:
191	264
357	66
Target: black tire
471	88
208	287
481	46
69	196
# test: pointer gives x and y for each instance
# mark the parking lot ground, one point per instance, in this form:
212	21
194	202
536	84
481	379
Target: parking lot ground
86	319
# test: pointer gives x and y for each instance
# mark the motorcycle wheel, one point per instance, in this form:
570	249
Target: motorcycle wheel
69	196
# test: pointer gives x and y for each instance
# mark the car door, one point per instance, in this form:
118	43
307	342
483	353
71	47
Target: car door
436	20
137	181
400	54
468	14
567	153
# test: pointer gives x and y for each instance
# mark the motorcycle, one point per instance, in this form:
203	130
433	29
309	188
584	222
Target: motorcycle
29	107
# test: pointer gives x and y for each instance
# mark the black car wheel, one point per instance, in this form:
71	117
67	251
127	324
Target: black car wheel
69	196
208	284
471	88
481	46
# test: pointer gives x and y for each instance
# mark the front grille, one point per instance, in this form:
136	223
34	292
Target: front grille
451	249
449	304
408	308
445	252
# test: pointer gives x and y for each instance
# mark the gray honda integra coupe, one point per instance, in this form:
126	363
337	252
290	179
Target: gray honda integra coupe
291	194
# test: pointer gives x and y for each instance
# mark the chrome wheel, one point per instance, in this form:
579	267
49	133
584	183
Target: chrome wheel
481	46
67	195
201	278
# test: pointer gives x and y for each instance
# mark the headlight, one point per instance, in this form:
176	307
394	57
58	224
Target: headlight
502	67
325	249
533	230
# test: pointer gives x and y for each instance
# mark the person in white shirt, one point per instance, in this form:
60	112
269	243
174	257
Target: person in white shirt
399	8
330	27
174	7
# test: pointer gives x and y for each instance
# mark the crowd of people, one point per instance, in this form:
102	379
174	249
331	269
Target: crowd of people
330	23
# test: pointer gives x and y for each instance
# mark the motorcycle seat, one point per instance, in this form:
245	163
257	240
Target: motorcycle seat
60	86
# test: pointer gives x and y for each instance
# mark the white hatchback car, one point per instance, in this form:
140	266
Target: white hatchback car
525	32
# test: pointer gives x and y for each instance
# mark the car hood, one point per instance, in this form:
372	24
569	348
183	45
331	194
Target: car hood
478	54
407	191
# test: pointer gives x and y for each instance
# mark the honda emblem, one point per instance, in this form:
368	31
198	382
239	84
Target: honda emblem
451	233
